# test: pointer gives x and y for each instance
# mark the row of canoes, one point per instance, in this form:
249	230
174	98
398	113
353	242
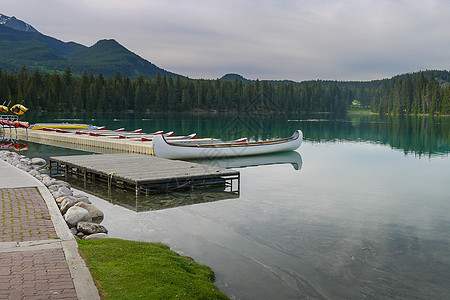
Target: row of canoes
16	123
96	131
166	145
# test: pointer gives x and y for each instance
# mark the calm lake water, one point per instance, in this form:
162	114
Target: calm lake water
360	210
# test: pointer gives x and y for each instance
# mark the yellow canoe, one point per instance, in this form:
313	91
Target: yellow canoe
3	108
40	126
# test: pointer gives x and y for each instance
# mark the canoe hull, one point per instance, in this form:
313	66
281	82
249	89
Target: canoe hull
165	149
59	126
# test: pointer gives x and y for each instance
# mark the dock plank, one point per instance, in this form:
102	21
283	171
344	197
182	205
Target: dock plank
142	169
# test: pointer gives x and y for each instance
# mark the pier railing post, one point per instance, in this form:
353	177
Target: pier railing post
137	189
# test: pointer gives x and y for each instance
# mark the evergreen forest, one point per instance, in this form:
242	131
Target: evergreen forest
417	93
412	94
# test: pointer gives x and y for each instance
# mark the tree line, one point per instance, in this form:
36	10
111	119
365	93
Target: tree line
412	94
67	92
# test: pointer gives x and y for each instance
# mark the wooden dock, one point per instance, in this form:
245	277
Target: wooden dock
142	172
98	144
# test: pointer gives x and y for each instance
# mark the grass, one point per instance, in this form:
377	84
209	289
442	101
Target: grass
129	270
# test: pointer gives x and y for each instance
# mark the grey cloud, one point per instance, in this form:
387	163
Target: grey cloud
298	40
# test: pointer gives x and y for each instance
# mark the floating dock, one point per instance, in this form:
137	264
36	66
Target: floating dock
143	172
99	144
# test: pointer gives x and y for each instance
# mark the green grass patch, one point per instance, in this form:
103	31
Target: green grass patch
129	270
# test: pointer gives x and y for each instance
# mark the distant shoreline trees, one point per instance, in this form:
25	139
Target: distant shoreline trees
69	93
413	94
66	92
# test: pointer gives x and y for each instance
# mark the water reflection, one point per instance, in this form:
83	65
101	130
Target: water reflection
12	144
156	200
418	135
290	157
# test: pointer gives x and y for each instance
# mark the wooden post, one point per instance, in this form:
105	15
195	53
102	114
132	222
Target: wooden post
137	189
66	171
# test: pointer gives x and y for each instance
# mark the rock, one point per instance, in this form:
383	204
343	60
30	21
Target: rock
82	198
91	228
34	173
94	212
95	236
24	168
74	230
44	177
25	161
65	191
57	194
48	181
61	199
57	185
80	235
67	203
38	162
76	214
61	183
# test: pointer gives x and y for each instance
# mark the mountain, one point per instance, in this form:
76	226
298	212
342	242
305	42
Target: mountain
22	45
232	77
16	24
108	57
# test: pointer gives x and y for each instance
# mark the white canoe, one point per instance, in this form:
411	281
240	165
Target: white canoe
177	150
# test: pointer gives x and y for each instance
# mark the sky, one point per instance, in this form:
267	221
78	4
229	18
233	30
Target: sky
265	39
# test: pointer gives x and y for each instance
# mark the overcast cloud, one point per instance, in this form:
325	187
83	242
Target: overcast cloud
266	39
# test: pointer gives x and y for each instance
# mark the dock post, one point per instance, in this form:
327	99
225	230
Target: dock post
239	184
84	178
66	171
137	189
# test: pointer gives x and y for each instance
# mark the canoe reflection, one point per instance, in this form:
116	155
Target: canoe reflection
290	157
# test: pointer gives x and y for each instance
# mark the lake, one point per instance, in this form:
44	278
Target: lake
360	210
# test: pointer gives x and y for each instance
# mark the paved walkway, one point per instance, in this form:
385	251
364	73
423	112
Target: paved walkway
39	256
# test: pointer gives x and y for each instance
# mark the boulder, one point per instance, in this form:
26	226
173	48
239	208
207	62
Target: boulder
24	167
44	177
37	161
53	188
94	212
76	214
25	161
65	191
91	228
74	230
95	236
62	190
57	194
67	203
61	183
48	181
34	173
61	199
82	198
